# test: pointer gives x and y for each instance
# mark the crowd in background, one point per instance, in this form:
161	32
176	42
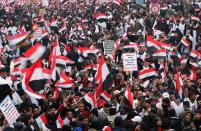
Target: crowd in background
89	90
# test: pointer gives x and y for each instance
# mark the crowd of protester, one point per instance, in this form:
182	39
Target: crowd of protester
168	100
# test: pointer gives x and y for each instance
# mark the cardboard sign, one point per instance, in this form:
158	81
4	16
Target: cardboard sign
130	62
9	110
108	47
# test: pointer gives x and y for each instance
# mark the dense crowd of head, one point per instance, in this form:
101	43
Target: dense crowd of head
54	68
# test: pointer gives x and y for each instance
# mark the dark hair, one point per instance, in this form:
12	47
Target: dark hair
118	121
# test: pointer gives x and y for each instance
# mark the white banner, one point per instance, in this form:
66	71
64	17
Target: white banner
9	110
130	61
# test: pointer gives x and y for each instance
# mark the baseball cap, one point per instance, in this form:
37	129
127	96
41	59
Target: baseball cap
165	95
137	119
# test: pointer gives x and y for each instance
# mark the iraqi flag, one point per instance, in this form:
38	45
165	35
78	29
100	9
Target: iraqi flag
195	54
166	46
131	45
35	53
41	122
90	101
193	75
185	42
160	54
53	24
195	18
117	2
44	34
179	85
145	84
103	77
181	59
147	74
65	82
52	60
61	61
36	79
16	39
101	16
91	67
86	51
59	122
162	72
117	44
63	28
105	97
152	44
129	96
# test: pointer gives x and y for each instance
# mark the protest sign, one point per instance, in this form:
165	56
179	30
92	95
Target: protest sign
130	62
9	110
108	47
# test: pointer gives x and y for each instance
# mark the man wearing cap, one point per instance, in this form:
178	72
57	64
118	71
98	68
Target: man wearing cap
166	103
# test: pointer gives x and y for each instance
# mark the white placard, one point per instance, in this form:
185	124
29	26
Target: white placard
9	110
130	61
